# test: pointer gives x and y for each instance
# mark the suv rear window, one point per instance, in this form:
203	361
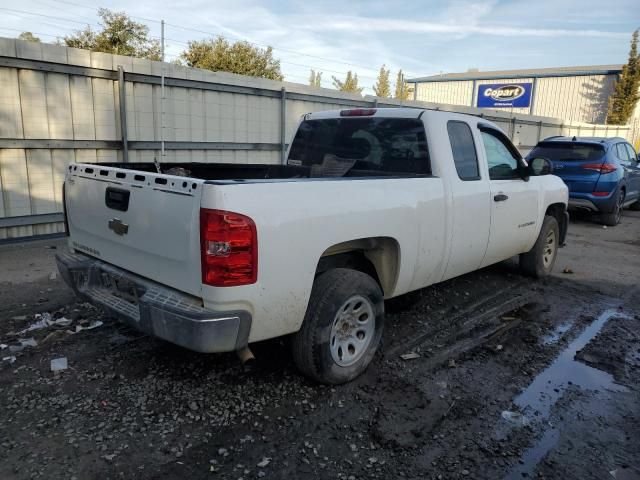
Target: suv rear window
567	151
361	146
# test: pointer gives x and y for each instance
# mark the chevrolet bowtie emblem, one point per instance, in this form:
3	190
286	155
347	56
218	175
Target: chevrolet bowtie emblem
118	227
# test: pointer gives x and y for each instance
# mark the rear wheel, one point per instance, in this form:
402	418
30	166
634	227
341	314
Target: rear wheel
612	219
342	327
538	262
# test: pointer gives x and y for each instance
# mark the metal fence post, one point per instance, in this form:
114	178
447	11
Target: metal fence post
283	124
539	131
123	115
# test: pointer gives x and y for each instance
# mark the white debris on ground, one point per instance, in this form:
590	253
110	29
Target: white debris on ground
410	356
91	326
59	364
16	342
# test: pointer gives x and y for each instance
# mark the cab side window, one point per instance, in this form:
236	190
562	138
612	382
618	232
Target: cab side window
464	150
503	165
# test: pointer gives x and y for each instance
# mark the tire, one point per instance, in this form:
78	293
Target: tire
612	219
538	262
342	328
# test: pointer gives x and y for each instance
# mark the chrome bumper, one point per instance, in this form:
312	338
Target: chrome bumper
153	308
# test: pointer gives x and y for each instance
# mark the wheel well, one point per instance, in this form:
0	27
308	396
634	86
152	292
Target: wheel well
378	257
559	212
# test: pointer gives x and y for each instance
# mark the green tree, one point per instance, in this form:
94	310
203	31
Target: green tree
29	37
239	57
315	79
119	35
625	95
402	92
350	83
382	88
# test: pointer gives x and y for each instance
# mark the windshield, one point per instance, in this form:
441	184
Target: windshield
361	145
568	151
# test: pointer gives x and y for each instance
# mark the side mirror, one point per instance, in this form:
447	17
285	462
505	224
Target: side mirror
540	166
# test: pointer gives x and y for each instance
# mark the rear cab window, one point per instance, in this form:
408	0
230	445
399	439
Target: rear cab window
361	146
463	149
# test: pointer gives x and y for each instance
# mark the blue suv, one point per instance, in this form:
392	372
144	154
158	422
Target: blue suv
603	174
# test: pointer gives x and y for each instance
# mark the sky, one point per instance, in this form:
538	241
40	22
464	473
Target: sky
333	36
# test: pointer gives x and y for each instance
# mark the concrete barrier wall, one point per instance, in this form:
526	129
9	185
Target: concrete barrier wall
60	105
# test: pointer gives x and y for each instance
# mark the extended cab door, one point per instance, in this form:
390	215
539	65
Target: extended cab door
514	201
470	202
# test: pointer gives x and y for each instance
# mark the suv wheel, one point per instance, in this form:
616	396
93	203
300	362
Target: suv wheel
612	219
538	262
342	327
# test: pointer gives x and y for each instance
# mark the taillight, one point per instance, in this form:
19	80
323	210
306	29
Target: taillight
600	167
229	248
358	112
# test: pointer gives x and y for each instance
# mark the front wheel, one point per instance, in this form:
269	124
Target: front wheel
342	327
538	262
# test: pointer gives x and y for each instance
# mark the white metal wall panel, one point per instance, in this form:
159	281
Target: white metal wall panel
10	110
33	96
104	109
580	99
450	93
59	106
81	96
15	189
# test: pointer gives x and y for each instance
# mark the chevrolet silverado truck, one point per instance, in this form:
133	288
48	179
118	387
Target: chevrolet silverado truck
369	205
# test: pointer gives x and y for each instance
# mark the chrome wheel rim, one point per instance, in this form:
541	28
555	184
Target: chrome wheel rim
352	331
619	207
549	251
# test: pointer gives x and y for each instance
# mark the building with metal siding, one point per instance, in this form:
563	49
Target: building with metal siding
572	93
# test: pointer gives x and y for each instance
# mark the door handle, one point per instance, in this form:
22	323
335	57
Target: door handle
501	197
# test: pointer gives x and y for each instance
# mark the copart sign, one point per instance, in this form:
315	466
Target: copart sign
504	95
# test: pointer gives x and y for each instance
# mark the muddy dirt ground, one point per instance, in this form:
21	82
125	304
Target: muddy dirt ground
514	378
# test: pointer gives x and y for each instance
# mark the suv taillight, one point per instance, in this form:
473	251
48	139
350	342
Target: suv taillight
600	167
229	248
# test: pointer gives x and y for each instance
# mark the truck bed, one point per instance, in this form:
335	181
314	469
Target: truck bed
244	172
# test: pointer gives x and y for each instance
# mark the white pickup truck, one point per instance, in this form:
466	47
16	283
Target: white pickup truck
371	204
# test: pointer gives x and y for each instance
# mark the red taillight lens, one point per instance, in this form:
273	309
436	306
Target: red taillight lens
229	248
600	167
358	112
600	194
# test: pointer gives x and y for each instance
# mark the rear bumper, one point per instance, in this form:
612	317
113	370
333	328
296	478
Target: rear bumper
586	201
153	308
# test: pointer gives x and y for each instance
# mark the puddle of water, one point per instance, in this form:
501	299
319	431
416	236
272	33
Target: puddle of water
549	385
534	455
556	334
545	390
